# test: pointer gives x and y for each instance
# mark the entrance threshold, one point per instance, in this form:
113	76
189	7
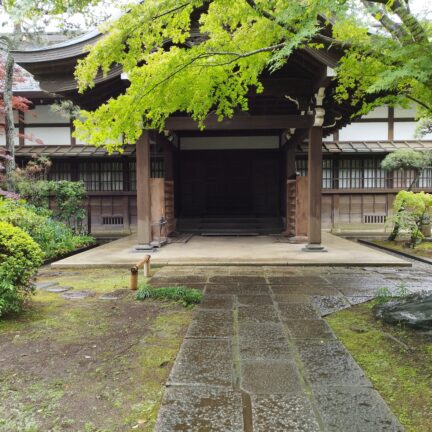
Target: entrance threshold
230	234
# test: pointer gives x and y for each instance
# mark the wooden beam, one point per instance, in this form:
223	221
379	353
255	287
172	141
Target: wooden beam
239	122
144	231
315	184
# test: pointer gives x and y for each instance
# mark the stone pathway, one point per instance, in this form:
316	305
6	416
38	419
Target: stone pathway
68	292
259	357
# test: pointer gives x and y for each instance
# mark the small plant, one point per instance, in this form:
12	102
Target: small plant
184	295
385	295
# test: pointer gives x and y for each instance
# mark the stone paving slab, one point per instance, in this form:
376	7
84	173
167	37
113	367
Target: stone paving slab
269	377
78	295
45	285
302	289
56	289
259	314
298	415
298	311
330	364
200	409
211	301
218	289
263	341
326	305
203	362
259	357
309	329
354	409
254	300
211	324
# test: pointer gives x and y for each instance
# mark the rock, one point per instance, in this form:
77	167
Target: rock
414	311
72	295
45	285
58	289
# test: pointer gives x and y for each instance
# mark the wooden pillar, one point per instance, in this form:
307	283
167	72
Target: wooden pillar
290	161
290	175
315	185
169	162
144	231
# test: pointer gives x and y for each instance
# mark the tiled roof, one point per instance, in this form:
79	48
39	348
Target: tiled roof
65	150
369	146
328	147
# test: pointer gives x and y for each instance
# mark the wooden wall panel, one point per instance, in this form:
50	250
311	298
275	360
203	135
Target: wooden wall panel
326	211
302	206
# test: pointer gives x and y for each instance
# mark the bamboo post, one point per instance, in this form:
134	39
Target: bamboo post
145	264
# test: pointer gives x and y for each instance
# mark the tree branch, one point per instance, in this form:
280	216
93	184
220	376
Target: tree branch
411	23
322	38
395	29
418	101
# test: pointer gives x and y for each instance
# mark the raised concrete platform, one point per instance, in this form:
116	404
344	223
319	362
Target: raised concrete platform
262	250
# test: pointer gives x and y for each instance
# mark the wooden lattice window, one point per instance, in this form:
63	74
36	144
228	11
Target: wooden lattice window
60	170
102	175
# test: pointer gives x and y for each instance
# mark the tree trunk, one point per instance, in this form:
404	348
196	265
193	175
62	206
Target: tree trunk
9	120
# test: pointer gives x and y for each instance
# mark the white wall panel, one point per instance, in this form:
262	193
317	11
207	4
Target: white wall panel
364	132
227	143
3	139
406	131
49	136
380	112
43	114
404	113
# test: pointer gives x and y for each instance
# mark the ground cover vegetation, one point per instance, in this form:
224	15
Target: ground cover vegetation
97	364
184	295
397	360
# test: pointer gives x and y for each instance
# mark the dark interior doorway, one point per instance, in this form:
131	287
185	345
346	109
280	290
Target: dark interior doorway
229	183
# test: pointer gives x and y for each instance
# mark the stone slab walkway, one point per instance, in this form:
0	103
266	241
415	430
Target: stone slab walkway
259	357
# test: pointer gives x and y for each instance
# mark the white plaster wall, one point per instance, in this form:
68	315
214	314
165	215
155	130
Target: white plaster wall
49	135
229	143
380	112
3	139
43	114
406	131
404	113
364	132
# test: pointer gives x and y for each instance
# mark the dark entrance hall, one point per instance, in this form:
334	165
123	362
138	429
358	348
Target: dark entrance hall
230	190
229	183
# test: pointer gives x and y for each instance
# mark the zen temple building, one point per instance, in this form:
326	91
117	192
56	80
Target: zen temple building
295	163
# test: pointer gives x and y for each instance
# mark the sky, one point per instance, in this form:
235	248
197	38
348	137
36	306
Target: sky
421	7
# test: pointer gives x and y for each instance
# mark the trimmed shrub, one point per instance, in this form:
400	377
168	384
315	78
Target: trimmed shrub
20	258
54	238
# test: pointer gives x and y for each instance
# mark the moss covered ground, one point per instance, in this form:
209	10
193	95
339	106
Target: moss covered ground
402	376
88	365
423	249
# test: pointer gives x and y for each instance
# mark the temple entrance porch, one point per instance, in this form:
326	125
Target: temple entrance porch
265	250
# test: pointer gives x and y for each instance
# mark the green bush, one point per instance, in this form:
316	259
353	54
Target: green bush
184	295
54	238
68	196
20	258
